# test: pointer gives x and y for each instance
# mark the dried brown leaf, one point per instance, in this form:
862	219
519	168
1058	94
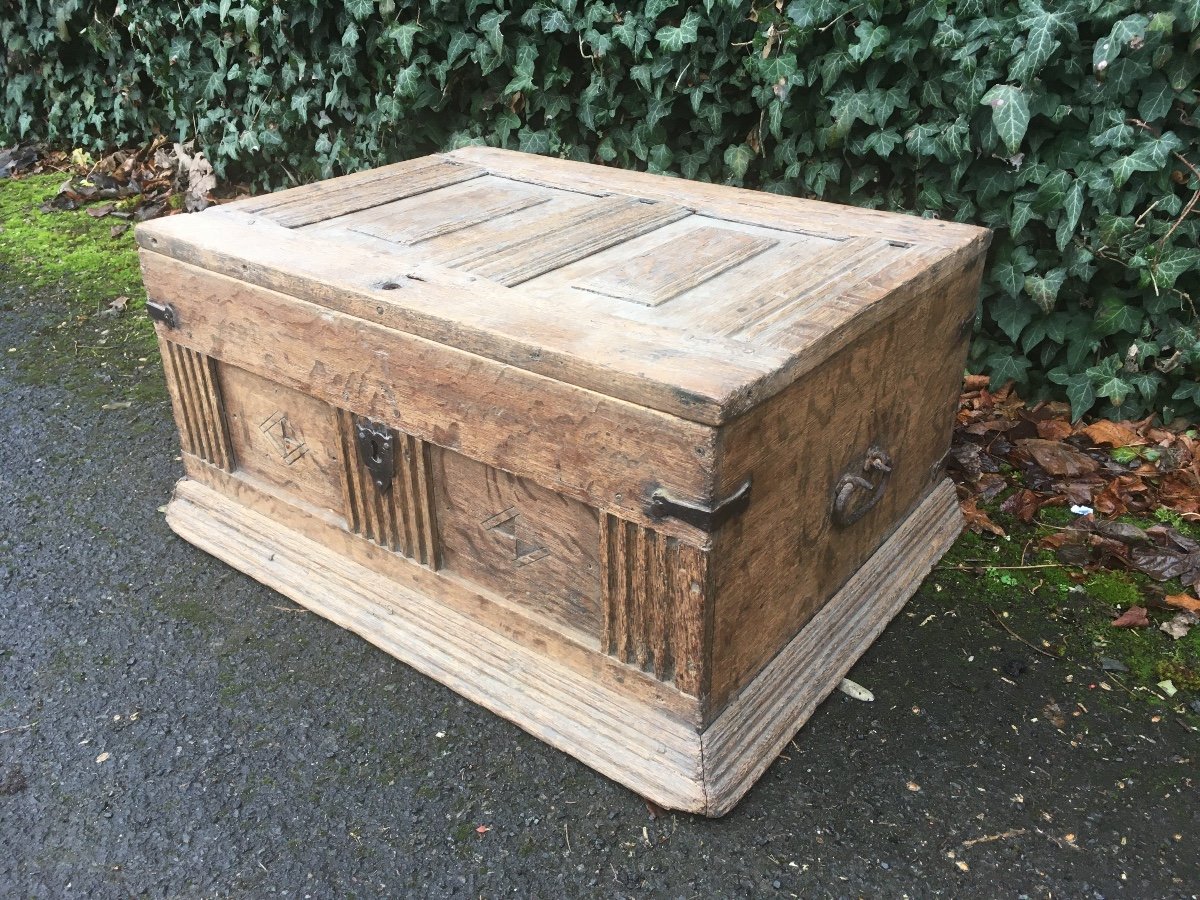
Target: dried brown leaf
1057	458
1024	504
1054	429
1134	617
1184	601
1115	434
978	520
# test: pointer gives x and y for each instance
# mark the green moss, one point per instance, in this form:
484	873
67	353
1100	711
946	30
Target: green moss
67	268
199	614
1185	677
1113	588
43	249
1056	515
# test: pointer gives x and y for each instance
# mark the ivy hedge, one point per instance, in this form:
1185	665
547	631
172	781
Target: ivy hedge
1069	127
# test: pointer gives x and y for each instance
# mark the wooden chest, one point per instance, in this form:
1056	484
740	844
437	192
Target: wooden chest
641	464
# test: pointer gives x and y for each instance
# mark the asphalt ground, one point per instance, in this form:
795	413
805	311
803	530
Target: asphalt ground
171	728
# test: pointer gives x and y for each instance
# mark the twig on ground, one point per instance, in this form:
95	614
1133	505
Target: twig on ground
988	838
1031	646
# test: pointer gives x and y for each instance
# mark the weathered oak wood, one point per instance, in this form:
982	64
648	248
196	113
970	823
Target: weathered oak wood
634	742
640	464
583	444
739	745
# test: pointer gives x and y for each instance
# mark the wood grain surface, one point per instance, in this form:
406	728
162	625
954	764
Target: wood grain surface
599	450
494	274
547	346
636	743
778	563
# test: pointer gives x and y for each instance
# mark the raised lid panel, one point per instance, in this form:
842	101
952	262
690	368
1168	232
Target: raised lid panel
521	253
447	211
654	276
363	190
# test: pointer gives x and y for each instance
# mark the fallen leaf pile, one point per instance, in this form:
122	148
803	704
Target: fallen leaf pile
1099	471
1113	468
136	185
26	159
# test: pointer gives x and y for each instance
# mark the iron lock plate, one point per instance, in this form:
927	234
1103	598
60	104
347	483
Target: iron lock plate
377	450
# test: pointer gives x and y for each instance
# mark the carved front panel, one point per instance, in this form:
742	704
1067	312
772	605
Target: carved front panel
521	541
654	591
284	439
199	408
399	514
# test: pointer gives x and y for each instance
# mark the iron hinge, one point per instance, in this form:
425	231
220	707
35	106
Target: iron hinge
162	312
708	518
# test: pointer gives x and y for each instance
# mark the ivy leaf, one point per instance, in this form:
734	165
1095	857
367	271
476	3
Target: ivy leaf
1006	367
1146	384
737	159
1114	315
778	68
555	20
1043	289
1124	32
1040	42
1072	209
1189	12
1173	262
882	142
403	35
460	42
660	158
1125	166
1010	114
1052	192
1157	97
809	13
1079	391
1118	137
1021	214
870	38
921	139
1187	390
360	9
1012	314
534	141
489	25
1010	268
1109	384
408	81
690	163
674	38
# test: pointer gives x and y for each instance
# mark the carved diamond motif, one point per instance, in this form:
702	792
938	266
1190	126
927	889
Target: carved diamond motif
509	526
290	445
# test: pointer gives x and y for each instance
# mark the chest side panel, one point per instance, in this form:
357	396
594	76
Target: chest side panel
894	390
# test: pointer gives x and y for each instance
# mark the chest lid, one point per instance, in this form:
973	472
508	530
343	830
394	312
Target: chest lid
693	299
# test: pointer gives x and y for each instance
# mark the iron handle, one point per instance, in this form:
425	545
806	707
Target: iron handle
857	492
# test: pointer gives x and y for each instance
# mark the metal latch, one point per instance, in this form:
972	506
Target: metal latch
377	449
707	518
162	312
